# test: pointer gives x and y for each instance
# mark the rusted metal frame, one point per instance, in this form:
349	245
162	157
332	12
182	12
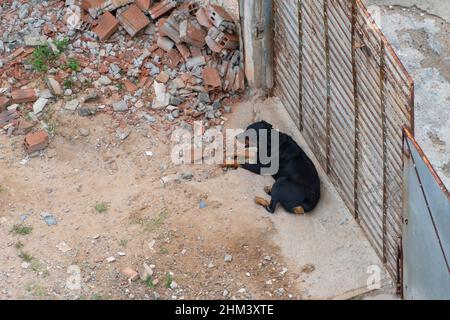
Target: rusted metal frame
300	65
399	105
348	199
436	231
369	96
285	76
410	136
387	45
285	16
409	81
356	102
328	86
384	126
338	23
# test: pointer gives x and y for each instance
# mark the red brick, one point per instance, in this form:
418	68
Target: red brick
130	86
162	77
24	95
87	4
144	5
211	79
184	50
36	141
4	102
161	8
202	18
192	34
133	20
107	25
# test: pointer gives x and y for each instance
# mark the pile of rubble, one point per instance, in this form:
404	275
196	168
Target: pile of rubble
170	59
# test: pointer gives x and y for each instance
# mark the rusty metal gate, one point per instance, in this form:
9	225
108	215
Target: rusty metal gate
349	94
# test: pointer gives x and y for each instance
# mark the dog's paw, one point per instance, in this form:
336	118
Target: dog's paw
268	190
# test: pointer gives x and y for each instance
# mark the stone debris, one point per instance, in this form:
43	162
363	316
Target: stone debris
174	62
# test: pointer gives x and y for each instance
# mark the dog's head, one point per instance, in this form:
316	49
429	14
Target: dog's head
250	136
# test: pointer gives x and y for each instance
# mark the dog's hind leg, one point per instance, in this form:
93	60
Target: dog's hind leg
269	206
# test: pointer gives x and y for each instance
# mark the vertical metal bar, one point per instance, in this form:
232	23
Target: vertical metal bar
384	137
355	97
300	62
328	71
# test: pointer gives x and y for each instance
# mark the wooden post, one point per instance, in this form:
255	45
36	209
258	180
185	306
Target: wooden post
257	33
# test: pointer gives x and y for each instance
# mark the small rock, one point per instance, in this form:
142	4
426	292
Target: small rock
145	272
25	265
173	285
187	176
72	105
130	273
54	86
203	97
110	259
122	134
39	105
84	132
63	247
49	219
120	106
104	80
228	258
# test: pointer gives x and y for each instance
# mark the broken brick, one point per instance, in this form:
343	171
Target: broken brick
162	77
88	4
24	95
130	86
4	102
211	79
8	116
219	17
202	18
165	43
173	58
133	20
184	50
170	29
144	5
36	141
192	34
217	40
161	8
107	24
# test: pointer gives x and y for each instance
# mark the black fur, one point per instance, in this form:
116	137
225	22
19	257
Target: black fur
297	181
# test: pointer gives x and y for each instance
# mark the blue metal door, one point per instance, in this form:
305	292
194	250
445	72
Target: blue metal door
426	228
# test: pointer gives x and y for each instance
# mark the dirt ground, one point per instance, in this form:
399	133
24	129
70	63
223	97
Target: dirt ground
145	221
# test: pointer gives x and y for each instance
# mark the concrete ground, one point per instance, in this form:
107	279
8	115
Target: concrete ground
329	239
419	30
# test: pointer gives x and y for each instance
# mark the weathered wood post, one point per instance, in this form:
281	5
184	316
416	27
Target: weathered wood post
257	33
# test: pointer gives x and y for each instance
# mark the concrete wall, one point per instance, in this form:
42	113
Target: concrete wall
439	8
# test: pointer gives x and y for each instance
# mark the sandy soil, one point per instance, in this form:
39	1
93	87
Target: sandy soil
145	220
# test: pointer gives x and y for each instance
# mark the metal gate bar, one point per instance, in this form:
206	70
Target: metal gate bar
346	89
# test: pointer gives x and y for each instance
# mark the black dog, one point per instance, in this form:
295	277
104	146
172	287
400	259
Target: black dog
297	186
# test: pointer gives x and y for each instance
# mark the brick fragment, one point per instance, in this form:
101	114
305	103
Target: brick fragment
203	19
192	33
107	24
24	95
165	43
4	102
162	8
133	20
162	77
211	79
130	86
36	141
144	5
130	273
8	116
184	50
88	4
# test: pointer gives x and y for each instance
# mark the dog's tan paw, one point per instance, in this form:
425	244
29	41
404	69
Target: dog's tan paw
268	189
261	201
299	210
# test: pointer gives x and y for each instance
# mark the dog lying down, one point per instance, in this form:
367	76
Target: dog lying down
297	185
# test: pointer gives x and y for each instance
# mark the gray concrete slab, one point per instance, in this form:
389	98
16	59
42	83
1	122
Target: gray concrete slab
328	239
439	8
